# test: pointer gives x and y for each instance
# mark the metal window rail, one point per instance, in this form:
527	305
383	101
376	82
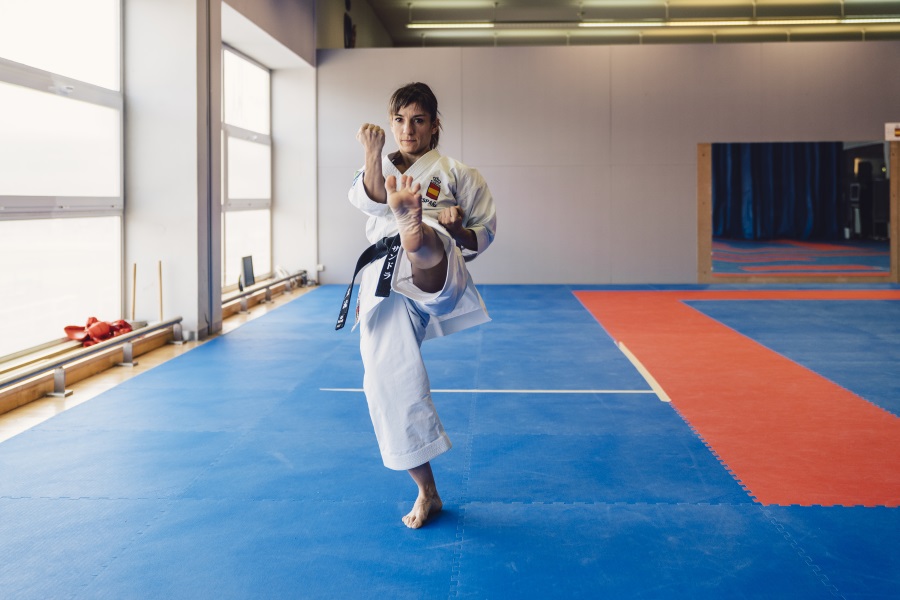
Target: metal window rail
289	281
58	364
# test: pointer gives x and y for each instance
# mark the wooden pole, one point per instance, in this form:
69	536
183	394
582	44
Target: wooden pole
133	289
160	292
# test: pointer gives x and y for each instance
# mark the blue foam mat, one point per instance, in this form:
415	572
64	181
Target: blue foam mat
292	549
235	471
535	551
853	548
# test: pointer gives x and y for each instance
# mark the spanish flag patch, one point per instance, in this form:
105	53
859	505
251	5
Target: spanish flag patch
434	189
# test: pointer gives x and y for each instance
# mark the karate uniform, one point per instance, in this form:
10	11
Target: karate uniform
392	329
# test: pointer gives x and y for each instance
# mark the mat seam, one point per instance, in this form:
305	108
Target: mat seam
801	552
169	503
105	564
715	454
455	564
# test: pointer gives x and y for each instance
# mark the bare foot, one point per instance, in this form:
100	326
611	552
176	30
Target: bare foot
423	247
406	204
425	506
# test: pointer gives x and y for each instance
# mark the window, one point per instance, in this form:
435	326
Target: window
61	181
246	168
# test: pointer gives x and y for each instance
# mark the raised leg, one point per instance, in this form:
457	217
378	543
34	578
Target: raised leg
422	244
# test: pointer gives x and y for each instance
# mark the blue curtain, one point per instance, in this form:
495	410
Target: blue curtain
777	190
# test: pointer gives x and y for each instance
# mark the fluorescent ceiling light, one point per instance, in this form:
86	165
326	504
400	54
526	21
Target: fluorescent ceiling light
697	23
741	22
448	25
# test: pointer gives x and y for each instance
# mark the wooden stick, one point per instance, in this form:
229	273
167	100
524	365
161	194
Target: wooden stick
160	292
133	289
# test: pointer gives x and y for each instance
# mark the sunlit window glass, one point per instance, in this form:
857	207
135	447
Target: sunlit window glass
57	272
247	92
78	39
56	146
248	234
249	169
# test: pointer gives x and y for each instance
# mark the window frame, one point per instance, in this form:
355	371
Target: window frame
54	207
228	132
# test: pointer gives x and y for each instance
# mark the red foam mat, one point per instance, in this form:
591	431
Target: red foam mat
787	434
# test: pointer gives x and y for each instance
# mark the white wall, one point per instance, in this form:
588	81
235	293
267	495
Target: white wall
294	179
591	151
167	159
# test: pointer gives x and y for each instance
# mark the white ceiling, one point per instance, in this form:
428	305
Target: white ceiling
556	22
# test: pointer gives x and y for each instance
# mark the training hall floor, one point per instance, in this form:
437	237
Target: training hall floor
651	442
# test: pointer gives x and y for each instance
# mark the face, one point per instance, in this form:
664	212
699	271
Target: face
412	128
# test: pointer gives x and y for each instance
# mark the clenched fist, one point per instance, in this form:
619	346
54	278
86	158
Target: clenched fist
371	137
452	220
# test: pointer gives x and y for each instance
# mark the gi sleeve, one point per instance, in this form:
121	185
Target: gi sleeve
476	200
361	200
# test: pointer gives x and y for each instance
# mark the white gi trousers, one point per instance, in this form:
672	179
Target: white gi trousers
392	330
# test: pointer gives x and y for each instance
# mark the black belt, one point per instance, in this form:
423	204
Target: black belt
390	247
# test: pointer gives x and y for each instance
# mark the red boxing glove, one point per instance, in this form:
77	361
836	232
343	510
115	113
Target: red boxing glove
119	327
99	330
96	331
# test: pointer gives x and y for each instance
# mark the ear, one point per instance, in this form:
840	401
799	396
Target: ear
435	126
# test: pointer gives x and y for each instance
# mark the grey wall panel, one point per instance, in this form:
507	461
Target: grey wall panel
341	226
667	99
536	106
553	225
653	234
821	91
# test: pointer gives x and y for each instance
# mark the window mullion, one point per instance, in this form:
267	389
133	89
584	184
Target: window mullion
247	204
247	135
52	83
49	207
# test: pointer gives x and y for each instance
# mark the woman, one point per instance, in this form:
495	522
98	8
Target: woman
444	215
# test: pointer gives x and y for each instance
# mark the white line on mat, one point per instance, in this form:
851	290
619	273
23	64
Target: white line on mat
644	373
512	391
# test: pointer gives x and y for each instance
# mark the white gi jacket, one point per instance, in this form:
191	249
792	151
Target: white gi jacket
444	182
